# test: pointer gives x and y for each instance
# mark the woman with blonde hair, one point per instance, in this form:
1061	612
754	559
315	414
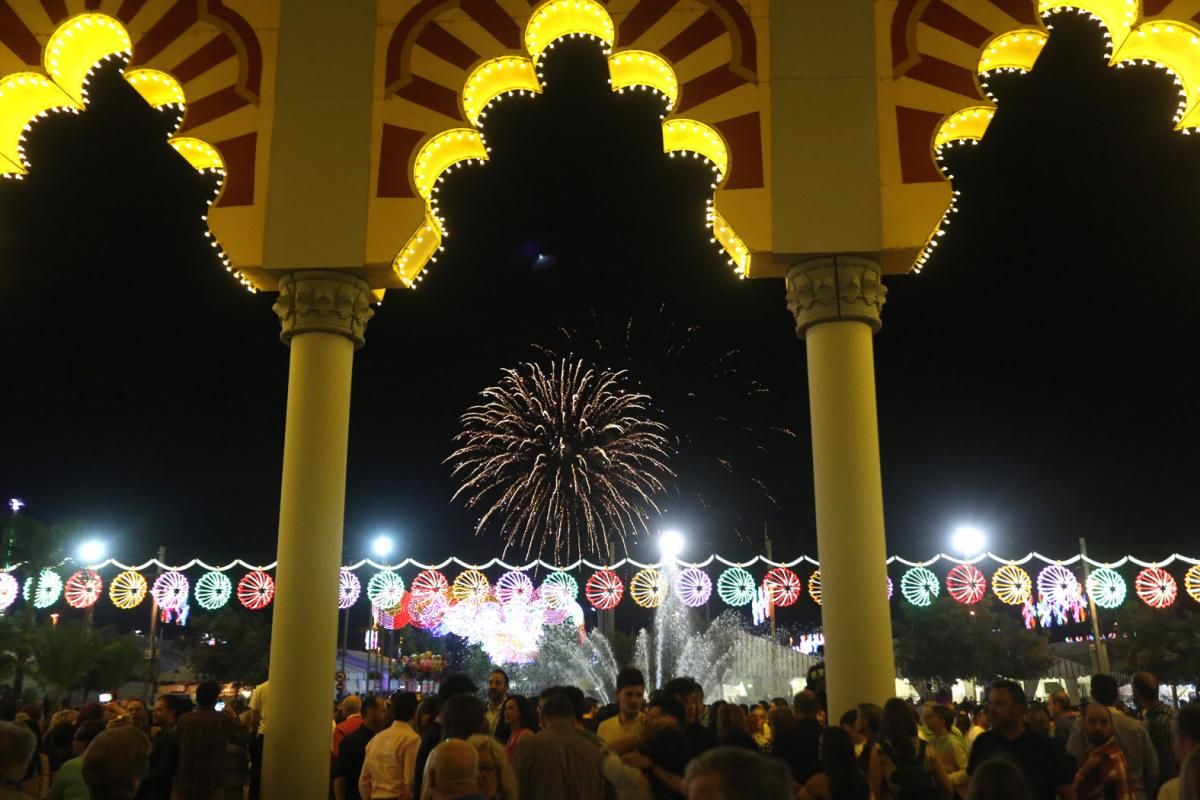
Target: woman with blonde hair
497	780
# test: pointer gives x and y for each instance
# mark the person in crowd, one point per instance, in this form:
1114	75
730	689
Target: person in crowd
1059	708
732	728
760	728
797	739
663	751
962	724
732	773
1103	774
998	779
557	763
979	724
688	693
521	720
1187	745
949	747
352	754
1158	718
1048	770
139	717
164	753
68	781
18	745
57	743
427	713
867	722
579	704
1038	720
497	780
1189	778
849	723
631	693
1131	735
203	736
115	763
350	711
258	731
452	685
591	715
454	771
901	764
390	758
839	777
497	692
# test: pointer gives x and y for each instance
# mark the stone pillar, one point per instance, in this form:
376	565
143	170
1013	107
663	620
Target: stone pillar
324	316
837	301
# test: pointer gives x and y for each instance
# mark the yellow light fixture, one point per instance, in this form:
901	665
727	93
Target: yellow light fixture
690	136
633	68
967	125
558	18
419	250
78	46
200	154
1117	16
1174	47
156	87
1013	51
24	97
442	152
731	243
495	78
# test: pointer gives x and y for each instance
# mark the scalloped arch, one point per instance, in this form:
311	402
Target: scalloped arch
1172	45
496	78
76	48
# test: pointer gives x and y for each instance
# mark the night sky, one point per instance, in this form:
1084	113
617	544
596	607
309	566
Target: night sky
1037	379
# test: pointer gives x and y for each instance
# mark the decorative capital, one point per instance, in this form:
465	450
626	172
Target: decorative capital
323	301
835	288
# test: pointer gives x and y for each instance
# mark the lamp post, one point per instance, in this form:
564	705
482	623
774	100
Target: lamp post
90	553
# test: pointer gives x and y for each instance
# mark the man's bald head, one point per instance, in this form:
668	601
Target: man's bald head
454	770
1098	719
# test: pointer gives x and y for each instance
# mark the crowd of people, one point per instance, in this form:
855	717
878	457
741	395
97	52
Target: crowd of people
464	744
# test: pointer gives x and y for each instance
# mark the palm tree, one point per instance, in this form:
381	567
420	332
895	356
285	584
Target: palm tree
118	656
39	546
63	655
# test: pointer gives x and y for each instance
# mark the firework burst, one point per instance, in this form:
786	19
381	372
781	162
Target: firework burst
563	458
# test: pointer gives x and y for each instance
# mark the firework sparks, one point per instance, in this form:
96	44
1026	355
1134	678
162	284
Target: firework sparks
565	459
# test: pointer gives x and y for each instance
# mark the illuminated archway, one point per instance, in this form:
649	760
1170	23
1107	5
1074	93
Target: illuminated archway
493	79
919	35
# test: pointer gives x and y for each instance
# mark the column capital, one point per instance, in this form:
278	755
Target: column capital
323	301
835	288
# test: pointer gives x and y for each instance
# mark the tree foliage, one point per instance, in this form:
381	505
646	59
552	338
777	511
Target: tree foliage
67	657
949	640
230	645
1163	641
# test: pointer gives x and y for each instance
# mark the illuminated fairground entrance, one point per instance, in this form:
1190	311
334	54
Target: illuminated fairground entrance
822	123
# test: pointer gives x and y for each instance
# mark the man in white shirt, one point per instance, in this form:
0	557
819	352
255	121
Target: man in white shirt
497	694
627	725
391	757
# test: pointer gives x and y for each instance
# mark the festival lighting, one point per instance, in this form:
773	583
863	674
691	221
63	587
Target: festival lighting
966	584
383	545
127	590
783	586
255	590
1156	587
736	587
649	588
1191	582
693	587
1012	585
49	588
604	590
83	588
919	586
213	590
1058	585
471	586
1107	587
429	582
171	590
514	585
9	588
385	589
814	586
670	544
968	540
349	588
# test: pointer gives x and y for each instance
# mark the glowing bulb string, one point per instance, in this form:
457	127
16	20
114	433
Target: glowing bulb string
583	562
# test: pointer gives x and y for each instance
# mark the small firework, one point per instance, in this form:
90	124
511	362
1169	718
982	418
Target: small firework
564	459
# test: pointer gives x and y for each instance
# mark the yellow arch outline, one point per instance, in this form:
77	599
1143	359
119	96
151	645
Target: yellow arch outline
1171	45
493	79
71	55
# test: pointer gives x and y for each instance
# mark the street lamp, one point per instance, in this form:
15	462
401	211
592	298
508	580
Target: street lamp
382	545
91	552
670	544
968	540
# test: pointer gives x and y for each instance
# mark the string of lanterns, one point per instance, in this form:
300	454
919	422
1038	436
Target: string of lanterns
1056	590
